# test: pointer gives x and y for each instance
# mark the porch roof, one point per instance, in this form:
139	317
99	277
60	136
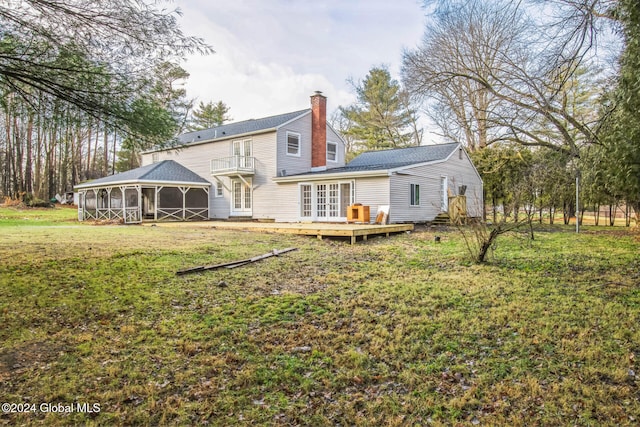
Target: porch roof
168	172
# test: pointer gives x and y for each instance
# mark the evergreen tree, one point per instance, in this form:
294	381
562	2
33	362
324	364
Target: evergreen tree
380	118
621	130
209	115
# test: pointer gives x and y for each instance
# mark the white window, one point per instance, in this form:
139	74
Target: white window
218	189
332	152
293	144
326	202
415	195
306	201
155	157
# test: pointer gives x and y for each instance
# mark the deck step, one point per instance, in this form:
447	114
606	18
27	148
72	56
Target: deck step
441	219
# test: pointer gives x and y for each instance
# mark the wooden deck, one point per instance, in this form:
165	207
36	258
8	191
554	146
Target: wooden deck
320	230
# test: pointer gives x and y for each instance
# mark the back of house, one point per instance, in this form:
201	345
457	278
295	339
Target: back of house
286	168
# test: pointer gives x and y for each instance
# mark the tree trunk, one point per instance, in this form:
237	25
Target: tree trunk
115	139
636	208
627	214
493	200
612	216
105	157
88	165
28	167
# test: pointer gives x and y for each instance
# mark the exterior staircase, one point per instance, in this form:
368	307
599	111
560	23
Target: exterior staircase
441	219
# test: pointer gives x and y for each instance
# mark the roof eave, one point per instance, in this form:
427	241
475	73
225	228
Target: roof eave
141	182
298	117
329	175
207	141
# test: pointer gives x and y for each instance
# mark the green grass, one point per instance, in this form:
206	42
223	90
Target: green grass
12	217
399	331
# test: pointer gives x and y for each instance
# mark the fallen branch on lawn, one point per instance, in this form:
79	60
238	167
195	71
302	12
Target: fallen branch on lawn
234	264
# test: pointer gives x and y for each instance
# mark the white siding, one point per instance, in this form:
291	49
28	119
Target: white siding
295	165
266	200
198	159
332	136
373	192
457	171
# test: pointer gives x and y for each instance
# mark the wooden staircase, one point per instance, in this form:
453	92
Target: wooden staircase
441	219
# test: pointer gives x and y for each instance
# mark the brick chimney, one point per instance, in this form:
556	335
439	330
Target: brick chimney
318	131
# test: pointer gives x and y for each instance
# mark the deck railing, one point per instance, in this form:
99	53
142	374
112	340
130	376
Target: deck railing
233	164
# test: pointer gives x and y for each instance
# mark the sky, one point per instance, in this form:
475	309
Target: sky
272	55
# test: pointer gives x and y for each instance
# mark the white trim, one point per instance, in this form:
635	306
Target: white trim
241	144
293	120
412	192
239	135
444	193
286	145
141	181
314	200
331	176
245	186
335	144
381	172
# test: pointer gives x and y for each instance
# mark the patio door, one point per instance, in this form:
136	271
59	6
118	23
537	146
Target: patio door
326	201
241	197
242	150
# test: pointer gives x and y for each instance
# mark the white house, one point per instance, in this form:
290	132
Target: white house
291	168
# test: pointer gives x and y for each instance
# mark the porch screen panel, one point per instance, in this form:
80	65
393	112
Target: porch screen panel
116	198
90	200
131	197
170	198
196	198
103	199
306	206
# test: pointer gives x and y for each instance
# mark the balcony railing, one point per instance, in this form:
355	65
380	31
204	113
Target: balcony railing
241	165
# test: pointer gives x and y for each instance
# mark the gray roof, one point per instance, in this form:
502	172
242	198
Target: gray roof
399	157
239	128
393	159
164	171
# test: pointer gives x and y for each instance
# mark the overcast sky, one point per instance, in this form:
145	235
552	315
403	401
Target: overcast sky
271	55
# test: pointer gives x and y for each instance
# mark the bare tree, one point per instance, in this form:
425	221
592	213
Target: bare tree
485	67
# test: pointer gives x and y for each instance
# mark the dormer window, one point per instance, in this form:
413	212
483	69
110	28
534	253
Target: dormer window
332	152
293	144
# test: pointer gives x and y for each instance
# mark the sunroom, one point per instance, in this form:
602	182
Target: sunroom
164	191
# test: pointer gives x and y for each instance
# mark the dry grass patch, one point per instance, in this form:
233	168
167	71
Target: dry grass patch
399	331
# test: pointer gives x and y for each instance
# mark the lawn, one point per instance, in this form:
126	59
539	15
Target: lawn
398	331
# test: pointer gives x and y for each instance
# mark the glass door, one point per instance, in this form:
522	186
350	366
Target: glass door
241	198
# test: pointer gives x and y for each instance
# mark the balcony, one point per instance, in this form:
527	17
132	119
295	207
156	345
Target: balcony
234	165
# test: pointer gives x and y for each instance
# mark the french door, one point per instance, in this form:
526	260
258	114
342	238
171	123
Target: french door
326	201
242	152
241	197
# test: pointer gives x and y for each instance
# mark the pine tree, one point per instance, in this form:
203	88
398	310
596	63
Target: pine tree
209	115
381	118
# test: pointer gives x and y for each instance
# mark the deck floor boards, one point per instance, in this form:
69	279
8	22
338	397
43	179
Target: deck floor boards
320	230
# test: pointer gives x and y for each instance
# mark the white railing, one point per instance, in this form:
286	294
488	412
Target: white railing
233	164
